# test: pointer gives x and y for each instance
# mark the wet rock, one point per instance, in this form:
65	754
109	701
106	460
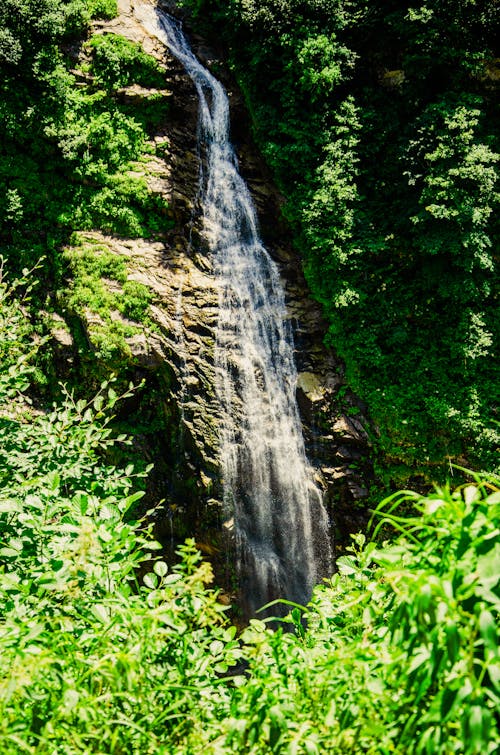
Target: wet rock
61	333
179	348
311	386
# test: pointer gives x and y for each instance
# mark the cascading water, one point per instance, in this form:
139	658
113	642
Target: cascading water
280	524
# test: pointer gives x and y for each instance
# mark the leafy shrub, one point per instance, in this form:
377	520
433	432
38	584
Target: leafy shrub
98	141
396	653
136	300
103	8
72	171
118	62
84	644
123	205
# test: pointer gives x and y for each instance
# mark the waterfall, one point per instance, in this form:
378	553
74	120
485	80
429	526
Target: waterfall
280	523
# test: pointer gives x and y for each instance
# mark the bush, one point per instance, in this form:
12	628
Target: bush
93	660
396	653
118	62
399	652
103	8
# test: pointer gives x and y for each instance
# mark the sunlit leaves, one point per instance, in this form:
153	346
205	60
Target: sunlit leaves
83	644
118	62
324	63
397	652
457	177
378	121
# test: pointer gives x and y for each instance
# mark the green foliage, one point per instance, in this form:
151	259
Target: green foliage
105	648
400	653
118	62
445	621
122	204
136	300
29	25
68	140
379	123
92	660
96	141
100	293
103	8
73	156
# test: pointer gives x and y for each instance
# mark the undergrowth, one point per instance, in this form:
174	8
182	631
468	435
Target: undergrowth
106	649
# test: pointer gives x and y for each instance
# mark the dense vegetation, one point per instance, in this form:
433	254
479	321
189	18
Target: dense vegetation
380	121
383	142
104	649
73	147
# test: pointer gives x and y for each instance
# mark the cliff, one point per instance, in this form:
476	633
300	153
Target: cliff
174	352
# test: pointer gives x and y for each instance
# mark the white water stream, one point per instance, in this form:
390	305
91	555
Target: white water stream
280	523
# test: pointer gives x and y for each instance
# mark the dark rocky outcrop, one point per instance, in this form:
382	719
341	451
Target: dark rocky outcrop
176	355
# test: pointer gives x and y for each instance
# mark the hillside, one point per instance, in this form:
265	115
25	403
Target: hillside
185	433
380	123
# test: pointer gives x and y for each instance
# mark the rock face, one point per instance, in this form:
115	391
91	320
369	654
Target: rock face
178	350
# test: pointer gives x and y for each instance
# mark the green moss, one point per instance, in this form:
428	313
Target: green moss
136	300
99	293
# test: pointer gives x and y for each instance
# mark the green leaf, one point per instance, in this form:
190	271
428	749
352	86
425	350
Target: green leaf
70	699
160	568
216	647
100	612
448	699
476	722
347	565
171	579
7	552
109	511
126	504
471	494
488	630
151	580
452	640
